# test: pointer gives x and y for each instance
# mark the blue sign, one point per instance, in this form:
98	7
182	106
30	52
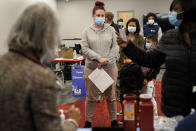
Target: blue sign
78	85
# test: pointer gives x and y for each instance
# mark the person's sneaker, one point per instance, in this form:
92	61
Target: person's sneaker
87	124
119	113
120	122
114	123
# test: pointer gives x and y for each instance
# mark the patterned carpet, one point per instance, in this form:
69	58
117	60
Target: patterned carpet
101	115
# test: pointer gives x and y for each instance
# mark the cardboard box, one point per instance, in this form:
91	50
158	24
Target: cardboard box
67	53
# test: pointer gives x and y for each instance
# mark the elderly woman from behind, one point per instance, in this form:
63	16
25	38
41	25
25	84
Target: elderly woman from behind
27	88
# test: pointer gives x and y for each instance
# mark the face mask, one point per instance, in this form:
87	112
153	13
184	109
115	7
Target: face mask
131	29
173	19
148	45
151	22
99	21
120	23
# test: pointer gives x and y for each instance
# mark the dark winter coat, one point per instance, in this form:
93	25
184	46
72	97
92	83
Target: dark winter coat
180	75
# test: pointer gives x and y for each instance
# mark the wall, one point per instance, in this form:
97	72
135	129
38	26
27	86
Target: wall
9	11
77	14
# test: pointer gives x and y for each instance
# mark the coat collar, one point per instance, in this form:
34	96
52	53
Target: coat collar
28	57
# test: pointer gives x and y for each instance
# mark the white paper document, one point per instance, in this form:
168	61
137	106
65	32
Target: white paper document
101	79
123	34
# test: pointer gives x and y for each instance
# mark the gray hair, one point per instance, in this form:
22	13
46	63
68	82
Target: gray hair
36	30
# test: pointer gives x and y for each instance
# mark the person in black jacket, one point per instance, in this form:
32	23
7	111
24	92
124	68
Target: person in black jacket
151	43
109	16
177	48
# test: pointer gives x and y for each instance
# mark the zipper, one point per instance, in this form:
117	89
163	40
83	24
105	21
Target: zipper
189	64
189	71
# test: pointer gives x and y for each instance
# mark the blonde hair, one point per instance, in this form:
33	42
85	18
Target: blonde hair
36	30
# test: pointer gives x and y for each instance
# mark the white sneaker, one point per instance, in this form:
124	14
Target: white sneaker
119	113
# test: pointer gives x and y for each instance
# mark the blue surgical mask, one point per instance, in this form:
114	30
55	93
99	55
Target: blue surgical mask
173	19
131	29
151	22
99	21
148	45
120	23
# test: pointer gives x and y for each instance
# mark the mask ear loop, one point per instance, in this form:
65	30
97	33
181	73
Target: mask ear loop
176	12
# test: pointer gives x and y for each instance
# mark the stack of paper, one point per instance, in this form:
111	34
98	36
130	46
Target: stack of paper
101	79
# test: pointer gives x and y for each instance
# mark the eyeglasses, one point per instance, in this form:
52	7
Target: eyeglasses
178	10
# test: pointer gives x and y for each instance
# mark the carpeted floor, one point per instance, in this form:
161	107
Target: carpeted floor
101	115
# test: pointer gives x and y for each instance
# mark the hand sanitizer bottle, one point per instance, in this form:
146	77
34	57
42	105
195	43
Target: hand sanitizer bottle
62	117
74	55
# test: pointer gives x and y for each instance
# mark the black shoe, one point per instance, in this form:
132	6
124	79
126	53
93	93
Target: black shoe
114	123
87	124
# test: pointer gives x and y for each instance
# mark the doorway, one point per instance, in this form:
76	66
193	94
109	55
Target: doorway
125	15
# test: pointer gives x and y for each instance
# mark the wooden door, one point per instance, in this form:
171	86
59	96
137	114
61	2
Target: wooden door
125	15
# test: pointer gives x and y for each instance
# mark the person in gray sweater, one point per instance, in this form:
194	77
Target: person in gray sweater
101	50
